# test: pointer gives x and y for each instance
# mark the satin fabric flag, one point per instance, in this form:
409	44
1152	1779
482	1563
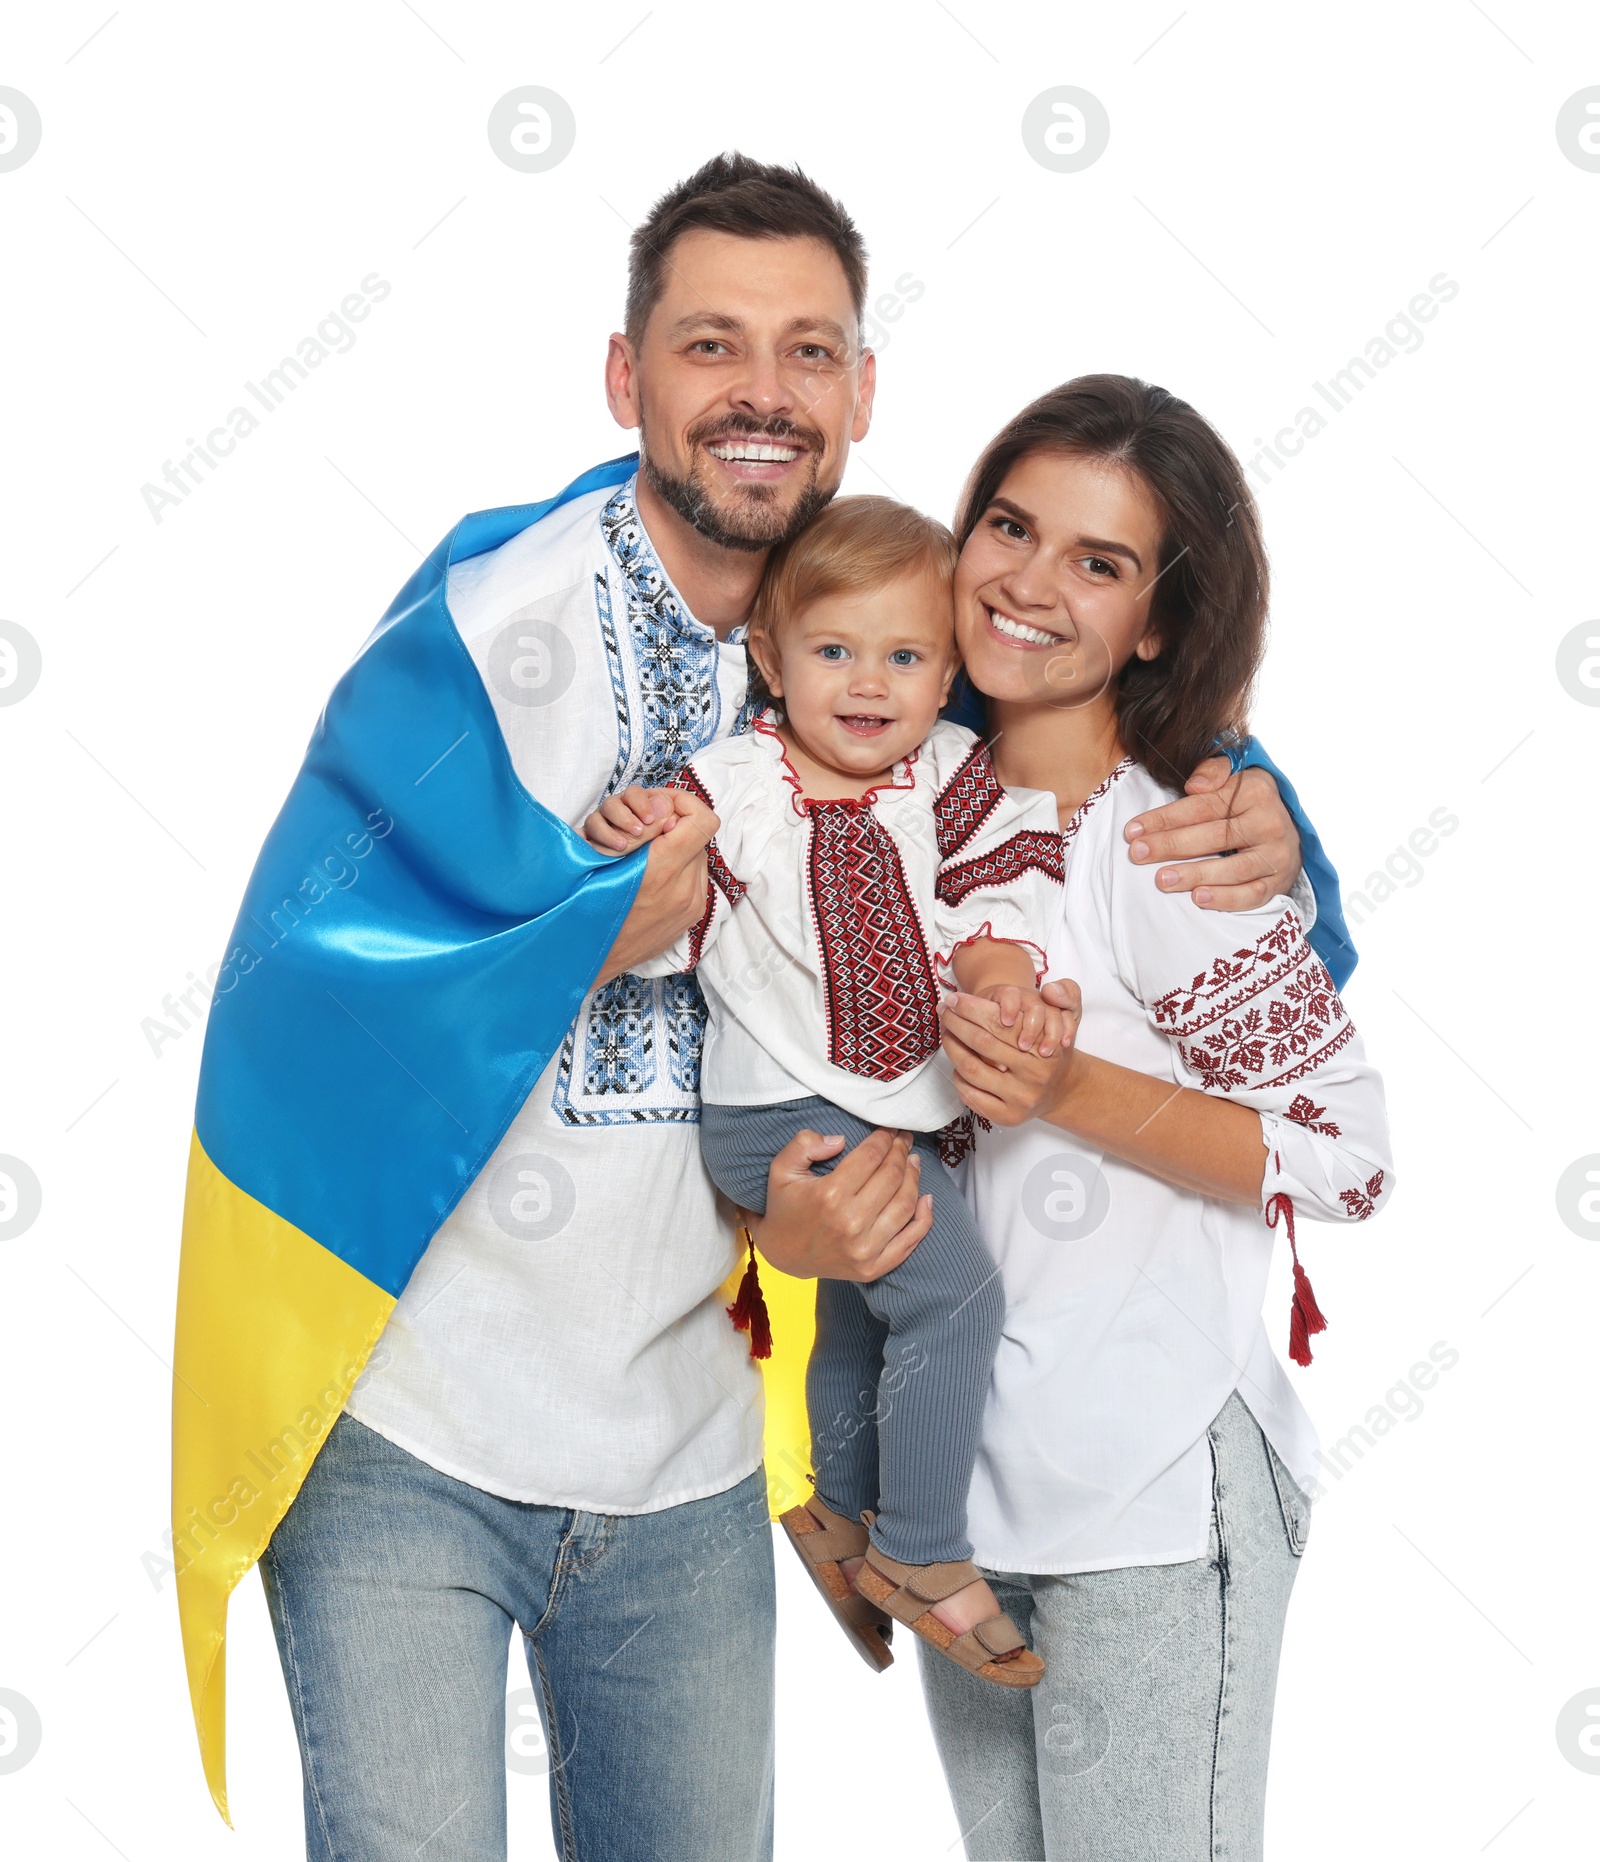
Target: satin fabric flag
415	940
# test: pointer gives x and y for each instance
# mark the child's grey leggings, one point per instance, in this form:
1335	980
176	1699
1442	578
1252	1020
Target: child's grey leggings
900	1368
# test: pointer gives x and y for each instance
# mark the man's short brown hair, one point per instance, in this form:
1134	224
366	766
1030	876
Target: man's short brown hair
752	200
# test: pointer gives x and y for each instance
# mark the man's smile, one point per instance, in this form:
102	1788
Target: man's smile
755	461
754	449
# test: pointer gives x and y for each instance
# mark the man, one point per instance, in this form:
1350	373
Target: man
559	1430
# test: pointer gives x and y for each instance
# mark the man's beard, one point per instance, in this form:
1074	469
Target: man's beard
753	519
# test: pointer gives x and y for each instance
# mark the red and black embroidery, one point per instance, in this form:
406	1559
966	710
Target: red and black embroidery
1359	1204
1264	1016
1303	1112
966	801
878	981
1070	832
720	877
1028	851
958	1138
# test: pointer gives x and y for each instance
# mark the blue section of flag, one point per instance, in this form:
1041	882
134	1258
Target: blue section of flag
416	938
1329	936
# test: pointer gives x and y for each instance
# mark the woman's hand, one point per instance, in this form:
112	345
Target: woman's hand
995	1076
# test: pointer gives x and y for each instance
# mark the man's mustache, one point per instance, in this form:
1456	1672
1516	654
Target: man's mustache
747	427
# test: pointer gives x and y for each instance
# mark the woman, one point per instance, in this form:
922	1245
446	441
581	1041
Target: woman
1139	1500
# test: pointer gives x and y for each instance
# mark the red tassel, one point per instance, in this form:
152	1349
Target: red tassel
1305	1315
749	1310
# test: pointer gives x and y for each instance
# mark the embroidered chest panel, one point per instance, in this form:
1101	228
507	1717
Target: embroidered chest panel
877	975
633	1055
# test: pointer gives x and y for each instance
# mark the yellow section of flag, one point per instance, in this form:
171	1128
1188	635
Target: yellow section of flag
272	1331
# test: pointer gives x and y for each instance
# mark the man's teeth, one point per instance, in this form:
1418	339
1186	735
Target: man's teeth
1016	630
760	451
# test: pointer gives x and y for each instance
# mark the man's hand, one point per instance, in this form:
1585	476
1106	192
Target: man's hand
1240	819
857	1222
672	894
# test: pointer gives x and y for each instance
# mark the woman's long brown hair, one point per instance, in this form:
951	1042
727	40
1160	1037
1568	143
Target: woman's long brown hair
1210	599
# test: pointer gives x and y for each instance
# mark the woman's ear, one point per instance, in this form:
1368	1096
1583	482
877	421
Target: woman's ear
768	663
1150	646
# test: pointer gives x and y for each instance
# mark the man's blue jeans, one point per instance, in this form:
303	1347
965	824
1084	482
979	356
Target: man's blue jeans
394	1591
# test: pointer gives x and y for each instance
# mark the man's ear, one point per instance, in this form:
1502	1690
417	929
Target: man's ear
622	381
768	662
866	388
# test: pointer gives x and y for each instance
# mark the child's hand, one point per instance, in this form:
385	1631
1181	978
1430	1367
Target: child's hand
1041	1025
623	822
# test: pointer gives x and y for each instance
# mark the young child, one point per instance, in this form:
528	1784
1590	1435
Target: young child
866	855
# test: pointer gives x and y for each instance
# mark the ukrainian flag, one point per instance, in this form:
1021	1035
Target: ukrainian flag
415	940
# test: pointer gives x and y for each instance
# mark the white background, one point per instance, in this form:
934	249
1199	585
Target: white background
1279	182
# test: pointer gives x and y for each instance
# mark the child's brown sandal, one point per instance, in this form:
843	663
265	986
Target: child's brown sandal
823	1538
994	1651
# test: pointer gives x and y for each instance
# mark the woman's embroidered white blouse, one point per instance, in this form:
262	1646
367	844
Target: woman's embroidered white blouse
1133	1307
829	925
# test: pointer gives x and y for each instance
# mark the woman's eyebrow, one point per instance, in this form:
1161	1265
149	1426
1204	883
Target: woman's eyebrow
1101	545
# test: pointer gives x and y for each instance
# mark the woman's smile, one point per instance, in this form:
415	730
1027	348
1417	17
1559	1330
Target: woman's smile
1020	633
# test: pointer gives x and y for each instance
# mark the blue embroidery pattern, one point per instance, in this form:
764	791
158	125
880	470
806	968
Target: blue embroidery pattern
663	668
619	1052
676	662
686	1028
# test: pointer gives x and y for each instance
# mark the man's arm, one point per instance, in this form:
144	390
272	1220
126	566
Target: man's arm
1242	836
672	894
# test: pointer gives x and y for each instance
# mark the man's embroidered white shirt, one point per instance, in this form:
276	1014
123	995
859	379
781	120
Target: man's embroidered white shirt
563	1339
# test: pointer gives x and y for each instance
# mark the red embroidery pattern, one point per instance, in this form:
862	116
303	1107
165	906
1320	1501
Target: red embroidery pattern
719	875
957	1139
1360	1204
1303	1112
1264	1016
966	801
1028	851
1070	832
878	981
733	890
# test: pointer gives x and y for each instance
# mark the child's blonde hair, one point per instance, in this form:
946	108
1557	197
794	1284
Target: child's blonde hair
853	545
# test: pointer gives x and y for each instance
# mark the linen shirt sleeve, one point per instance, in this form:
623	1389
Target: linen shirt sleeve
1004	881
1252	1015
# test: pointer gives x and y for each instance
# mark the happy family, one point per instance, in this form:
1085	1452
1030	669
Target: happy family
969	971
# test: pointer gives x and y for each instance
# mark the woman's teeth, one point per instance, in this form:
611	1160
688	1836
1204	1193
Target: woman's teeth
1016	630
760	452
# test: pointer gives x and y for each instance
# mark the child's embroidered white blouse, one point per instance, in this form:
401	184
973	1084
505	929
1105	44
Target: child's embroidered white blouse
829	925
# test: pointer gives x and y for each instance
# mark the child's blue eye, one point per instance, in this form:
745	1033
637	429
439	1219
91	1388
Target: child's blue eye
834	652
903	656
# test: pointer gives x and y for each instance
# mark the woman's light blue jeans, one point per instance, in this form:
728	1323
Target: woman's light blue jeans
1147	1740
394	1591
